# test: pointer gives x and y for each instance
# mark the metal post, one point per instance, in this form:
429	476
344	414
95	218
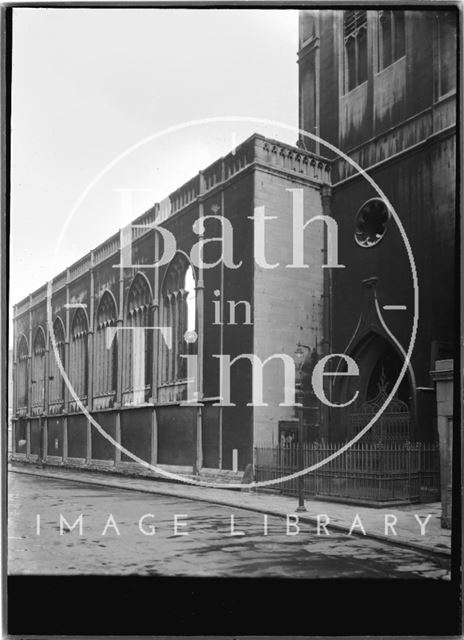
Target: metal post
90	339
301	504
326	196
299	398
67	350
41	456
44	417
198	429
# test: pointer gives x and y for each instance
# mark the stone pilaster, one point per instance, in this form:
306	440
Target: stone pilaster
443	377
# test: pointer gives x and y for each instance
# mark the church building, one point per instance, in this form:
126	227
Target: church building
127	375
378	85
381	87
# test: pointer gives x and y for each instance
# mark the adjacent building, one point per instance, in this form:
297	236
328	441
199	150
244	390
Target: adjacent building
381	87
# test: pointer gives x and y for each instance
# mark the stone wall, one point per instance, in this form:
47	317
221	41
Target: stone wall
288	302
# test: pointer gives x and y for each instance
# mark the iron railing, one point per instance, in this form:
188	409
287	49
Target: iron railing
367	472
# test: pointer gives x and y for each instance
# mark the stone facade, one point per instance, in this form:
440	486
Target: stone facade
391	107
147	415
388	102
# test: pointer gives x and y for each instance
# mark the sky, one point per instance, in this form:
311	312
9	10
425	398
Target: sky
89	84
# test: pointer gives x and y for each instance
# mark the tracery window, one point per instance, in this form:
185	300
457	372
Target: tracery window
78	354
371	223
56	379
137	345
355	48
391	45
178	311
106	347
22	374
38	370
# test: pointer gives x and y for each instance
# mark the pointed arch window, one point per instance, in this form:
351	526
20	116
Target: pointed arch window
56	379
22	366
137	344
106	347
391	39
178	312
355	49
78	354
38	370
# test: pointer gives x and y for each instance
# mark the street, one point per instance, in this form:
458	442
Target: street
62	527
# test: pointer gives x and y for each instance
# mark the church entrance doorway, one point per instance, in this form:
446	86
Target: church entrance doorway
380	364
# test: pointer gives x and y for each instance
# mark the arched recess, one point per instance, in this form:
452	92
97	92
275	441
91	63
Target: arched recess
106	347
38	371
22	362
178	311
137	343
56	389
380	362
78	354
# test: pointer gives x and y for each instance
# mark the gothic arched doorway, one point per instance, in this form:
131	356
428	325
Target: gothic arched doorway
380	364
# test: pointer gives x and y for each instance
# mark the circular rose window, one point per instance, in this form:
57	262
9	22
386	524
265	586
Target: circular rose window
371	222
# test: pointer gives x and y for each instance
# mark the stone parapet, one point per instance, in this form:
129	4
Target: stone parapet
257	151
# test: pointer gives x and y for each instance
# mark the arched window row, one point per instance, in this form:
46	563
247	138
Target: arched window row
138	347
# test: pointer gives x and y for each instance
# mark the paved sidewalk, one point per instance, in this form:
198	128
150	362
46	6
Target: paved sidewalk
342	517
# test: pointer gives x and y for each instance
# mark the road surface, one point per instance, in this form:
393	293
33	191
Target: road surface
122	532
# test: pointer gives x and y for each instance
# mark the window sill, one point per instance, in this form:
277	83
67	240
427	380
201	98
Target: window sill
379	72
354	89
446	96
175	383
313	40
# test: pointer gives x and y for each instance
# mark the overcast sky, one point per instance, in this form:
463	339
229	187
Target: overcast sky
90	83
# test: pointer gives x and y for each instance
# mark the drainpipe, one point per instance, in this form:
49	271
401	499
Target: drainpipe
90	358
198	457
121	338
326	197
156	342
221	328
67	368
29	387
46	393
14	374
90	337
